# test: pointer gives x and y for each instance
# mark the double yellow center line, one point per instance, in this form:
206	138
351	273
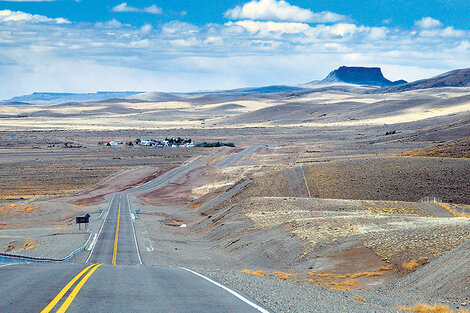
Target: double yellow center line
90	269
116	236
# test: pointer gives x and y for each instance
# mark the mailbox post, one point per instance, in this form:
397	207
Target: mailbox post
83	220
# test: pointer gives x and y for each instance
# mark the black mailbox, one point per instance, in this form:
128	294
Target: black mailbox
82	220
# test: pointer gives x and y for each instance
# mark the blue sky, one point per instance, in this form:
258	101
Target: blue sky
180	45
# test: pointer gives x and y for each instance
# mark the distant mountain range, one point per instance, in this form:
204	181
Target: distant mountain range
50	98
161	96
359	76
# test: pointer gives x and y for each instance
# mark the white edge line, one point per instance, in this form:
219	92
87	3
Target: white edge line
133	229
101	228
13	263
229	290
93	242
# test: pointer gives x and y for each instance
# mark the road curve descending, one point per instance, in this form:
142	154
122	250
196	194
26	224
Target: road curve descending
116	242
231	159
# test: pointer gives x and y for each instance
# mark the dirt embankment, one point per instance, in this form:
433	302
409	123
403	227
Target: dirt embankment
450	149
393	178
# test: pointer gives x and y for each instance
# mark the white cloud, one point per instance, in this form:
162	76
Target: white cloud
264	28
428	23
123	7
153	9
109	24
448	32
7	16
280	10
146	29
38	53
378	33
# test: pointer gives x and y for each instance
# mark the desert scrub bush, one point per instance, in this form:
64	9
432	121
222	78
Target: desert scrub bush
359	298
284	276
366	274
385	268
257	273
394	210
411	265
346	285
425	308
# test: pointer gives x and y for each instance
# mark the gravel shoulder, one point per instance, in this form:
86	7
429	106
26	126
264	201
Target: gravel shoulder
296	297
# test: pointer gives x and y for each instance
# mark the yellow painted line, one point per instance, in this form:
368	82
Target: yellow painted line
51	305
75	290
116	236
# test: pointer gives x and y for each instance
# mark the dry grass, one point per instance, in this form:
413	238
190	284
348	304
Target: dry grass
18	208
450	149
257	273
411	265
394	210
425	308
448	209
359	298
27	209
29	244
366	274
400	179
344	282
284	276
346	285
386	268
195	206
10	207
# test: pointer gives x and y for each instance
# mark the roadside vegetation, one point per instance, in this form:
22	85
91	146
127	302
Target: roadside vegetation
425	308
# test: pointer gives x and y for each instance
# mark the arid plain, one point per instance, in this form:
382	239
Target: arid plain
333	194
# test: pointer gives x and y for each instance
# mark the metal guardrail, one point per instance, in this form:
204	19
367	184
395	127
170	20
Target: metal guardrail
98	217
17	258
429	199
135	214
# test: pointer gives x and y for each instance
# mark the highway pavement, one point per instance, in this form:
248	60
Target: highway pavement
33	288
231	159
114	278
116	242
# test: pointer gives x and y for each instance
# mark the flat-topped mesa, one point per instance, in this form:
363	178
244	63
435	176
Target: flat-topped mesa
371	76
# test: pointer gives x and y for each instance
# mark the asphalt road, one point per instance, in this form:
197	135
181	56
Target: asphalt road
122	288
231	159
164	179
114	278
116	246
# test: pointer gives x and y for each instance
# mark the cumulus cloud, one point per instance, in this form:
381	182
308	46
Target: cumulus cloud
442	32
428	23
109	24
264	28
146	29
280	10
18	16
123	7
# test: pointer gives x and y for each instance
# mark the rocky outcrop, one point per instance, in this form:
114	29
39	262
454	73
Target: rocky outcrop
370	76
